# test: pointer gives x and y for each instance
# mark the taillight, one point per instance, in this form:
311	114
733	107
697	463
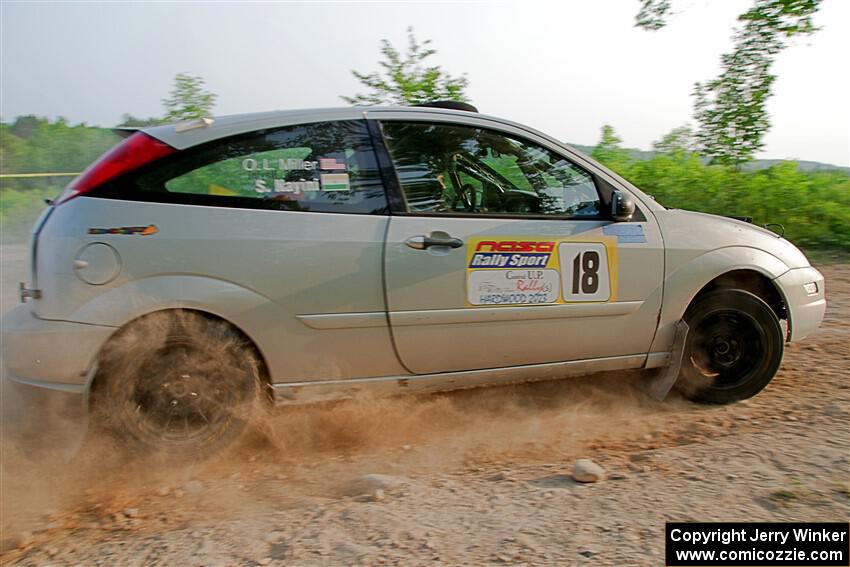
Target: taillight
133	152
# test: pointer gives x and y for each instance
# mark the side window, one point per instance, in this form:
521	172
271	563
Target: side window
459	169
322	167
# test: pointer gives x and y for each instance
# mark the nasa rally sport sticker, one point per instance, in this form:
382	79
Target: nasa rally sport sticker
540	271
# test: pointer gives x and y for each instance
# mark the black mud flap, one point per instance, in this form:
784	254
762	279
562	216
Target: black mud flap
660	385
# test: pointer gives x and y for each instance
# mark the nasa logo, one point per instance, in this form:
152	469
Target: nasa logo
514	246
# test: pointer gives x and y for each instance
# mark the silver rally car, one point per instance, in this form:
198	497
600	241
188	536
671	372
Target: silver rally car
198	271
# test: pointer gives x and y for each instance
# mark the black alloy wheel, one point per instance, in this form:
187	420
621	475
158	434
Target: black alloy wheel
734	347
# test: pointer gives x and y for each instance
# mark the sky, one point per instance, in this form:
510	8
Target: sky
565	67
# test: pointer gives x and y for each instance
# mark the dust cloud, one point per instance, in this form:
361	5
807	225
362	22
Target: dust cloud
554	414
324	445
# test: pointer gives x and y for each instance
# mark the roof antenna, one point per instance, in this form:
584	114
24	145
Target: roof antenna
448	104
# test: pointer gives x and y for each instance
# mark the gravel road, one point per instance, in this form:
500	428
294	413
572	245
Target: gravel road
471	478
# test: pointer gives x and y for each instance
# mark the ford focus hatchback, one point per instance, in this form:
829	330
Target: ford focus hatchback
200	270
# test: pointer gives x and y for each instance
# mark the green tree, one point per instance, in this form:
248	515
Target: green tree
189	99
405	80
130	121
813	206
731	109
652	14
33	144
608	150
24	126
678	142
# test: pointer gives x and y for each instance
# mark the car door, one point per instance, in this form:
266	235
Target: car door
504	252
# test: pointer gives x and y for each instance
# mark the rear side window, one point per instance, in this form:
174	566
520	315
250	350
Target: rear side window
321	167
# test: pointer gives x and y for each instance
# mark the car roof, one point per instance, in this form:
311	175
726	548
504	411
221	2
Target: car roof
184	135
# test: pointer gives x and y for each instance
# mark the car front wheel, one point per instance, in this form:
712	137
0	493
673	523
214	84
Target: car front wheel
733	349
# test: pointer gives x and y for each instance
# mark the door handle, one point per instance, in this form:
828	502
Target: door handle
422	242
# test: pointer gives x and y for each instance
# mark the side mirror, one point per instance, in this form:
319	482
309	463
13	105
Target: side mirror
622	207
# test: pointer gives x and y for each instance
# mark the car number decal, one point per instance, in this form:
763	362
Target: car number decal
584	271
537	271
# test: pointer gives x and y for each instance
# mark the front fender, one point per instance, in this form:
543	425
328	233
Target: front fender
683	280
242	307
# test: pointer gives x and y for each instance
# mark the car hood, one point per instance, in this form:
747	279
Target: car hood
688	229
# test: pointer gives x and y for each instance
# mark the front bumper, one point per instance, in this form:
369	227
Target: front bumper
47	368
805	309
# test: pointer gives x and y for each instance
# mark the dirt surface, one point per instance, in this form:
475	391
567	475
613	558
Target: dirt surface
470	478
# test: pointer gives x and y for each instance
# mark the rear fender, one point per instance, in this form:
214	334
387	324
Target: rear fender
242	307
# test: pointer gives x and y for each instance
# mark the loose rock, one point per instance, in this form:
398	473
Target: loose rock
370	483
503	475
587	552
586	470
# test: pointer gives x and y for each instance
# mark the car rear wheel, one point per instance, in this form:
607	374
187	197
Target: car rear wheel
733	349
179	384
